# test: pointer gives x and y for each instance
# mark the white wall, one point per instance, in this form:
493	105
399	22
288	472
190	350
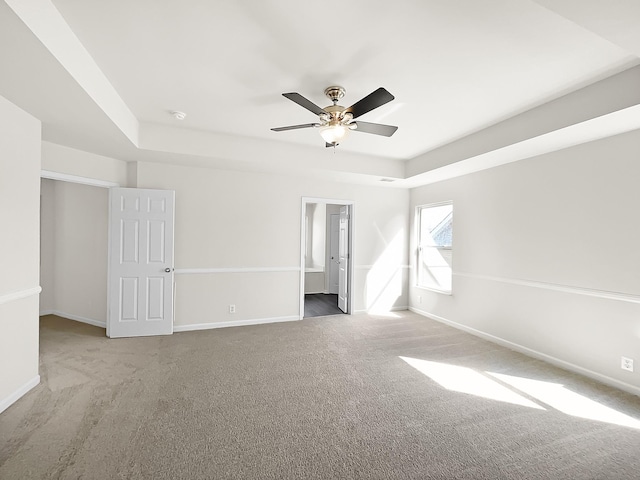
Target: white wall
315	217
47	245
74	261
318	237
19	251
218	226
69	161
547	255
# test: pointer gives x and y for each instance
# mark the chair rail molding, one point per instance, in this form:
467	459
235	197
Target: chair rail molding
19	294
196	271
589	292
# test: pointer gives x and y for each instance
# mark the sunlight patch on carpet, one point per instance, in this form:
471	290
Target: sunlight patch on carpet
512	389
466	380
559	397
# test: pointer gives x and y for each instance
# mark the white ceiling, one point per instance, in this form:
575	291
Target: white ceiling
454	66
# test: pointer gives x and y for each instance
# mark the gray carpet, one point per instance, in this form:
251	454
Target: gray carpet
323	398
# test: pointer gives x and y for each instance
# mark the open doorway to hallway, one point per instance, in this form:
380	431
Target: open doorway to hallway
325	257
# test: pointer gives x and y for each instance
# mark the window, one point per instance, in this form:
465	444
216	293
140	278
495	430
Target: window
435	235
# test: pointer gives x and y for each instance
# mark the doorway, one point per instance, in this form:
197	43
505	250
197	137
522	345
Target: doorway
325	260
73	249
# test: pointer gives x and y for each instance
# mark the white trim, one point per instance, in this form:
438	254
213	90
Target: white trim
392	309
533	353
621	297
435	290
369	267
76	318
327	201
19	294
19	393
65	177
184	271
233	323
436	204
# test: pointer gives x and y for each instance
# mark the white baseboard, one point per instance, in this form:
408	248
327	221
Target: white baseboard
233	323
77	318
534	353
180	328
15	396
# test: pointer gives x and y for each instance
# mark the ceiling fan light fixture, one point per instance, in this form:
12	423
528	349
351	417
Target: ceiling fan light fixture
334	133
335	121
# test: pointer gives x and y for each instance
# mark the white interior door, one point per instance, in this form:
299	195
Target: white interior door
140	285
343	259
334	265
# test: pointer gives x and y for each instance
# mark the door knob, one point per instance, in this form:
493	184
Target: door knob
168	270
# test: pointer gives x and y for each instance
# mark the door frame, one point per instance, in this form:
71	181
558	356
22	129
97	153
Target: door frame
303	240
93	182
331	245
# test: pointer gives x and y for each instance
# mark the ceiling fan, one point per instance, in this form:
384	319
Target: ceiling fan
336	121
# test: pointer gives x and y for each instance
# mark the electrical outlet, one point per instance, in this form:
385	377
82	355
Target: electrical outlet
419	298
627	364
232	309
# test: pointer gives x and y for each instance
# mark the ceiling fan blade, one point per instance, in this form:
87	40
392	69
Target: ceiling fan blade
371	101
303	102
375	128
295	127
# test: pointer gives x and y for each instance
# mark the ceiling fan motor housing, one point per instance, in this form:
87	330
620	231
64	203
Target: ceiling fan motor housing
335	114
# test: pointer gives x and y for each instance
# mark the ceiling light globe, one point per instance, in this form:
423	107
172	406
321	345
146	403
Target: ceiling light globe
334	133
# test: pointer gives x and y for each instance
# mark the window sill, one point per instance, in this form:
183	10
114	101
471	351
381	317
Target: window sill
314	270
436	290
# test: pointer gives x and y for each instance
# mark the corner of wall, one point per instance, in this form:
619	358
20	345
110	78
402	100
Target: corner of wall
132	174
20	163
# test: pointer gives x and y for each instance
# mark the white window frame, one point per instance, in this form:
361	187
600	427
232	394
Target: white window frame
420	248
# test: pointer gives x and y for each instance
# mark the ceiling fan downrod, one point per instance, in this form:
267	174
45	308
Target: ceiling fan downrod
335	93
